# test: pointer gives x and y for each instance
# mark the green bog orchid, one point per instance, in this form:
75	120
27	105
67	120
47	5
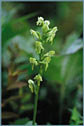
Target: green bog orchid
47	36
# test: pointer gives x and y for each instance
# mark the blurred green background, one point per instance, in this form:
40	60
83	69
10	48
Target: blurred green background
61	92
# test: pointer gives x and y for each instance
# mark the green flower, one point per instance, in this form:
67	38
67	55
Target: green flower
46	61
31	85
45	27
50	54
38	47
40	21
34	33
38	78
33	62
47	22
51	34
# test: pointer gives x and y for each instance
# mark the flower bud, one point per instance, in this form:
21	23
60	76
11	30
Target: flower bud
47	22
40	21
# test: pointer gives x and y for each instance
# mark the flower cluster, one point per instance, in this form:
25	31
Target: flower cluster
47	36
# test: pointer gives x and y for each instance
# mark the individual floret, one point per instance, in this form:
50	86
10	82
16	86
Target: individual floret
38	47
50	53
33	62
38	78
34	33
51	34
31	85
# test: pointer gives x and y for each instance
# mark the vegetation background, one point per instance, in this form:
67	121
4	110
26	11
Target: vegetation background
61	93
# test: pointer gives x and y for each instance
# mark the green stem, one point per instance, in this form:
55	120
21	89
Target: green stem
36	96
35	105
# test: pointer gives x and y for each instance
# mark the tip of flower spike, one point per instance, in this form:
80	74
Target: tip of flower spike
40	21
40	18
47	22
